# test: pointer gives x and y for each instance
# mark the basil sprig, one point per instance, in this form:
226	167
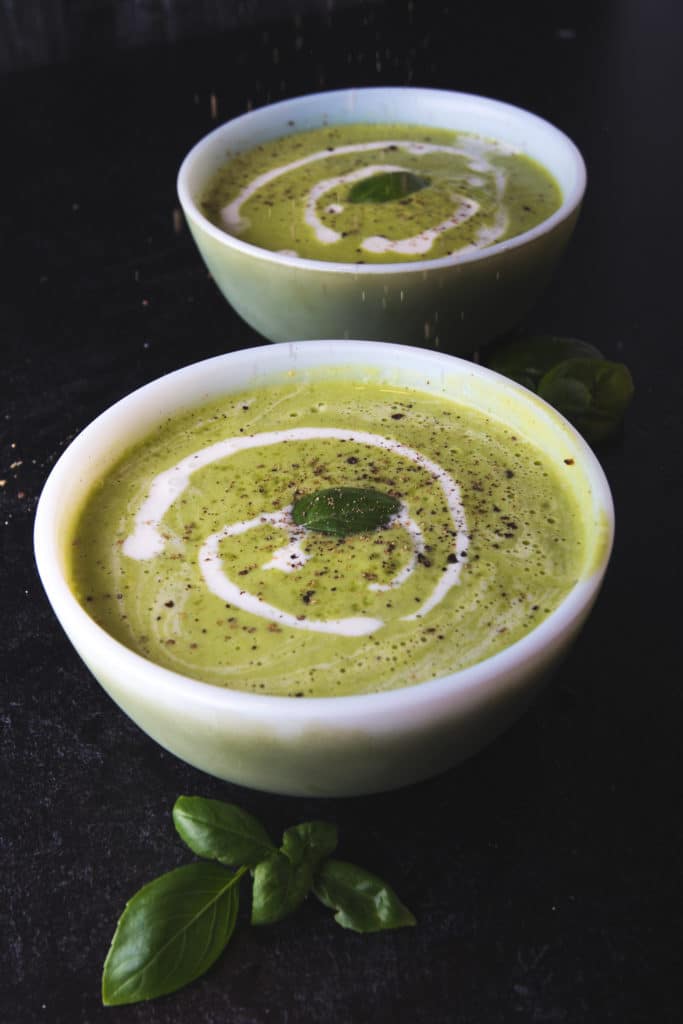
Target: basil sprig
387	186
572	375
174	928
344	510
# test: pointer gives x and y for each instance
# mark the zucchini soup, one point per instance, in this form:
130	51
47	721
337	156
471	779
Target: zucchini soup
325	537
379	193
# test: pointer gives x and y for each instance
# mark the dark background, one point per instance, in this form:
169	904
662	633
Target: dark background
545	872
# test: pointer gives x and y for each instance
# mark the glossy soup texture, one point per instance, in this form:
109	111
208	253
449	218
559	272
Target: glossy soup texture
186	551
378	193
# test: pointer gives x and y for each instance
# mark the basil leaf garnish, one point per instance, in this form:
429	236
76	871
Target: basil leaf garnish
362	901
383	187
592	393
220	831
284	880
344	510
527	358
170	933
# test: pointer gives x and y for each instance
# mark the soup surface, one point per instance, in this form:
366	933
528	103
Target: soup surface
374	193
187	552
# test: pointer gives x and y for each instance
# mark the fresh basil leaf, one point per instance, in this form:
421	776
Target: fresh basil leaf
280	886
344	510
383	187
220	831
528	357
592	393
362	901
170	933
310	842
284	880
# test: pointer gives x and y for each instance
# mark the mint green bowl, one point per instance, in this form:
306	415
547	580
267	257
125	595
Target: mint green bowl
453	303
321	746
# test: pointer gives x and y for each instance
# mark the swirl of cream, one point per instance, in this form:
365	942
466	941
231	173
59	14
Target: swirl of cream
146	541
474	151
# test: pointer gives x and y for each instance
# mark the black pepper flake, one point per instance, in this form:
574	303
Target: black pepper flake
169	604
397	415
307	596
509	473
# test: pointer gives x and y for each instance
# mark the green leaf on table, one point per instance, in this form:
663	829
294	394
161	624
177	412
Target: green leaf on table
344	510
528	358
279	888
386	186
310	842
362	901
592	393
220	831
283	881
170	932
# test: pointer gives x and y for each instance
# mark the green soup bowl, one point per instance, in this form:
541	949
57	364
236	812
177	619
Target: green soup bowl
454	303
338	745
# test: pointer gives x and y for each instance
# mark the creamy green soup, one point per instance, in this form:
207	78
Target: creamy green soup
187	552
377	193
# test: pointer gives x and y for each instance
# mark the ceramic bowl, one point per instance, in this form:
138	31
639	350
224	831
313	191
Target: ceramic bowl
326	746
451	304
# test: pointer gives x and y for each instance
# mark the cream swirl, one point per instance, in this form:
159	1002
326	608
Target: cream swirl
147	540
473	150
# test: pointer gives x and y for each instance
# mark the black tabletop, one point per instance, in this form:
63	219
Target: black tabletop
544	873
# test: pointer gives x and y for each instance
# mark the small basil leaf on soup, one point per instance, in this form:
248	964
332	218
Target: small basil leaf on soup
171	931
362	901
220	831
528	357
344	510
593	394
382	188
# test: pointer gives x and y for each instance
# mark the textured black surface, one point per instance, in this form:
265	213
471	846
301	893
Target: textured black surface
545	872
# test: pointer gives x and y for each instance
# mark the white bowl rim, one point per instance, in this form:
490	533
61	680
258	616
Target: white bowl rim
169	686
570	203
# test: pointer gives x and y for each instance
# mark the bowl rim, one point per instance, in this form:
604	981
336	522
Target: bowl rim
570	203
164	686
